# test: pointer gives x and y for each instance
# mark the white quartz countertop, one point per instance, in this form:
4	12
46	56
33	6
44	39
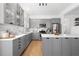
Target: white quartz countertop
61	35
17	36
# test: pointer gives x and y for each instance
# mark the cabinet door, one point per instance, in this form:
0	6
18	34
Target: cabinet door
51	46
23	41
36	36
28	39
15	47
75	47
66	46
10	13
56	46
47	46
20	45
6	48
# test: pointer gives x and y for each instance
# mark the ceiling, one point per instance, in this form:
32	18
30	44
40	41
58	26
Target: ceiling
75	11
54	9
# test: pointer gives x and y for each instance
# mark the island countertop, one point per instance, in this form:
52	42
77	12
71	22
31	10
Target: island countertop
61	35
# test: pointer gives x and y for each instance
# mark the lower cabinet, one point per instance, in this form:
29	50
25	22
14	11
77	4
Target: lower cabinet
66	46
75	46
51	46
27	40
20	44
36	36
62	46
17	46
56	46
14	47
47	47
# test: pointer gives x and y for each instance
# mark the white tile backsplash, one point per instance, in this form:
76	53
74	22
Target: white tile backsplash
12	28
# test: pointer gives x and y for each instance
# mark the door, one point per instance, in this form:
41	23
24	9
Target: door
75	46
66	46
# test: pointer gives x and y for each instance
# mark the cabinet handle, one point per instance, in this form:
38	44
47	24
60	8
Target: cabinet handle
56	38
19	45
47	38
19	39
75	38
19	42
66	38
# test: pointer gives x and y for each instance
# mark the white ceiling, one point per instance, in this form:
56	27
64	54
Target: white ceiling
54	9
75	11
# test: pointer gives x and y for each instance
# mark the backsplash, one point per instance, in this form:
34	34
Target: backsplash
12	28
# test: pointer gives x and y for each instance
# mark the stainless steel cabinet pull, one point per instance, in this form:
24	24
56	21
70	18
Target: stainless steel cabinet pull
19	38
75	38
19	47
47	38
57	38
19	42
66	38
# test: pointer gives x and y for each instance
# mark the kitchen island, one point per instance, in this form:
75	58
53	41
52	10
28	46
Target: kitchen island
60	45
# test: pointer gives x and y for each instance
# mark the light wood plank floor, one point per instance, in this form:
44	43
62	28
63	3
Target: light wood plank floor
34	49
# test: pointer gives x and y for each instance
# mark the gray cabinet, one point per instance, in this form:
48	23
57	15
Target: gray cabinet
66	46
26	40
51	46
36	36
56	46
15	47
75	46
47	47
20	45
62	46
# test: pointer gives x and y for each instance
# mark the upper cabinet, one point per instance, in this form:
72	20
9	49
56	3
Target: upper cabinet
20	15
13	14
10	13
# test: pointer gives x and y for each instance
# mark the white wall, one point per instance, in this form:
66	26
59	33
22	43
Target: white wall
68	24
74	29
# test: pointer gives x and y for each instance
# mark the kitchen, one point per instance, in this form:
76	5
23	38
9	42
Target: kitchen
50	28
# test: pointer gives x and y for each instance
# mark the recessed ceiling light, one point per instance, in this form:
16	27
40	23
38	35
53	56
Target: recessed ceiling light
42	4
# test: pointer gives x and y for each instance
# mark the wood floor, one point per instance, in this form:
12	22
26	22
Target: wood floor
34	49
